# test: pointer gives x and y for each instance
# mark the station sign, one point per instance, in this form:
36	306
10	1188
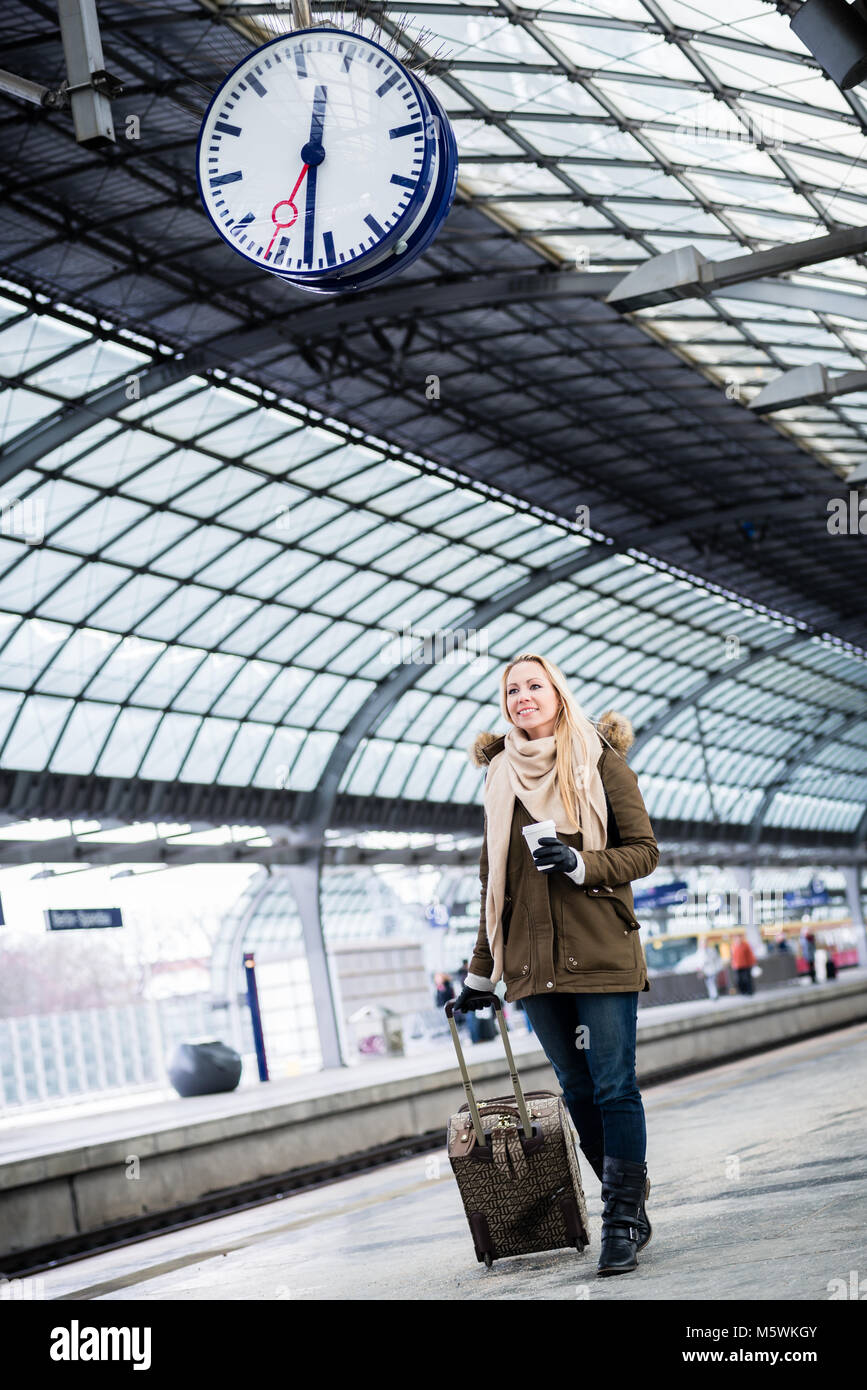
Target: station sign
82	918
814	896
662	895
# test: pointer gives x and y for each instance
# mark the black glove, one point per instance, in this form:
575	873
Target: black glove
552	856
471	999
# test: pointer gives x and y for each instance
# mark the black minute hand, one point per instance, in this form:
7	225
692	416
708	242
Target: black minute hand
313	154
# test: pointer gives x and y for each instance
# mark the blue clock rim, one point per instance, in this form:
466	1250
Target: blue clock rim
424	233
394	234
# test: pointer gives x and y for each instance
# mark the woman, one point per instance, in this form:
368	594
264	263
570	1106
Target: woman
444	989
559	927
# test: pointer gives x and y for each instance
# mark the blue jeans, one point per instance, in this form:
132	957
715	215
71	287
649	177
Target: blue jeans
595	1067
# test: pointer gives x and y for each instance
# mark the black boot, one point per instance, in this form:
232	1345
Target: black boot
642	1221
623	1187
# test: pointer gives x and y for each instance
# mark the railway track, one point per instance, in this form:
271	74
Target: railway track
225	1202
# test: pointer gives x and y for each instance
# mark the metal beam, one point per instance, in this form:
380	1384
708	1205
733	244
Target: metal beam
806	386
814	298
686	274
304	880
697	842
743	876
852	875
70	850
693	696
88	80
427	300
446	824
11	85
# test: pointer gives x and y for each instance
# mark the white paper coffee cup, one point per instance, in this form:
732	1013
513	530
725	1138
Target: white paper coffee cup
534	833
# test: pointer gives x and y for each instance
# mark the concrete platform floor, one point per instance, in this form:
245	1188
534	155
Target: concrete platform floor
759	1172
58	1126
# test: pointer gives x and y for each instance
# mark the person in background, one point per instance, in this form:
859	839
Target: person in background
782	944
710	965
808	952
444	988
743	960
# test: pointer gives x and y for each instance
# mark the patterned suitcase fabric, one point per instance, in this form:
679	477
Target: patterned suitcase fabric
520	1195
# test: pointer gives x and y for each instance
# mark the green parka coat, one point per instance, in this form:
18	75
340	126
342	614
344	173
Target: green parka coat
560	936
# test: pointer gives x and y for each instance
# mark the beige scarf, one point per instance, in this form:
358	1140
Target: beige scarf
526	770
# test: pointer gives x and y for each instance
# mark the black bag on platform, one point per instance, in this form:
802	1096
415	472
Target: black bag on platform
204	1069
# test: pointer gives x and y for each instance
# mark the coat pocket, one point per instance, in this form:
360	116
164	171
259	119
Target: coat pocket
604	938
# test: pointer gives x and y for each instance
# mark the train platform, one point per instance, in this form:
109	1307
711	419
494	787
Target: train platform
759	1173
94	1173
29	1133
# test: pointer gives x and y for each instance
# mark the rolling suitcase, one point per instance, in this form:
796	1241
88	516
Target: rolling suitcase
516	1167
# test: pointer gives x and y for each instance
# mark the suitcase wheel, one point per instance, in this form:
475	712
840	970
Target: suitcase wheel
489	1259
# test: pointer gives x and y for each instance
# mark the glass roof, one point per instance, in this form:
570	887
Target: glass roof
607	134
207	587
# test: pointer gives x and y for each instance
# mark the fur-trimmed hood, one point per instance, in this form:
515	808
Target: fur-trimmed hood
613	728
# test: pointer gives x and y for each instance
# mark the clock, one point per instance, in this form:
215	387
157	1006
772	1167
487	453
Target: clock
323	160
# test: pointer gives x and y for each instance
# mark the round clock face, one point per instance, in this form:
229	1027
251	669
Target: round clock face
316	154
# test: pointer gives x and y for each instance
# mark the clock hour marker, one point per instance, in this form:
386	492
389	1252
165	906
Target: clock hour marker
374	225
300	62
220	179
387	84
328	239
227	129
402	182
244	222
404	130
256	85
347	59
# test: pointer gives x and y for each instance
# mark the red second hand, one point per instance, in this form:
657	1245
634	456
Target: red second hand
286	202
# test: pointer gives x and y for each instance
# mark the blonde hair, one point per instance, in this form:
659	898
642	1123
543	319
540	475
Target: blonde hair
572	726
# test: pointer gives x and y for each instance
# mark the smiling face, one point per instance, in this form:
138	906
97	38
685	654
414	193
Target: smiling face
531	699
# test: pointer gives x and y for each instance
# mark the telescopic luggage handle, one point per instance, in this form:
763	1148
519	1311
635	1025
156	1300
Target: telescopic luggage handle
468	1085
